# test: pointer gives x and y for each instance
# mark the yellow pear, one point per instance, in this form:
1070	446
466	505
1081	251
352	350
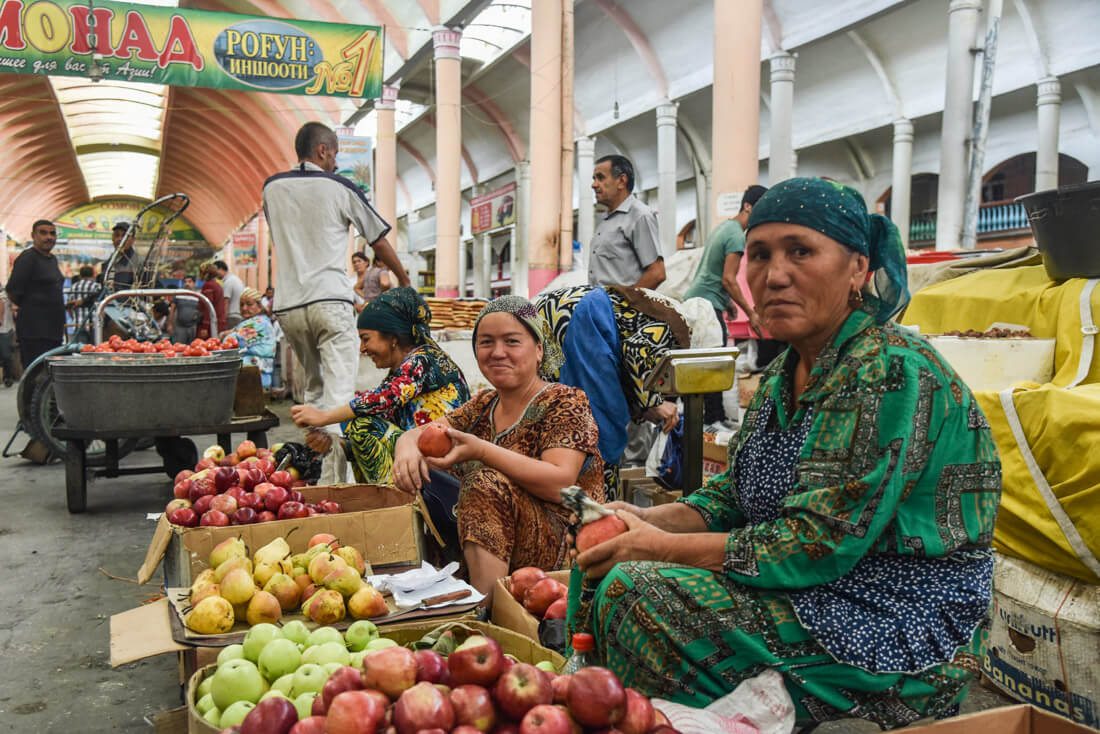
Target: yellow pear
283	588
228	548
273	552
326	607
236	562
353	558
316	551
345	580
211	616
263	572
205	591
323	565
263	607
238	586
366	603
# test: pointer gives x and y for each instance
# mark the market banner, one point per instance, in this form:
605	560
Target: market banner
94	221
494	209
353	162
243	243
190	48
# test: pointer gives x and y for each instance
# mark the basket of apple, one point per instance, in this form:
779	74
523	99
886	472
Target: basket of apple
240	488
292	681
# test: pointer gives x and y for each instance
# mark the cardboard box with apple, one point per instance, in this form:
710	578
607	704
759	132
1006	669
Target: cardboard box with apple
387	524
1007	720
508	612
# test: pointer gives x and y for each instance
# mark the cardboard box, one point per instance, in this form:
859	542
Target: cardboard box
1007	720
510	614
385	524
511	643
1044	641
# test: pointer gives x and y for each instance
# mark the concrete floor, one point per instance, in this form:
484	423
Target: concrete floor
55	604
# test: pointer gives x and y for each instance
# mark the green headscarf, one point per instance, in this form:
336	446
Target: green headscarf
401	311
839	212
525	311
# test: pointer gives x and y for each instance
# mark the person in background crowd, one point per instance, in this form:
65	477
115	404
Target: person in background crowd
514	447
162	310
423	383
848	545
82	296
626	245
183	320
255	335
36	288
360	265
268	300
123	271
376	281
213	292
309	210
716	281
7	345
232	287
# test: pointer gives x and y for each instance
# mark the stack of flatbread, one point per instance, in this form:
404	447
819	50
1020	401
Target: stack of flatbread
453	313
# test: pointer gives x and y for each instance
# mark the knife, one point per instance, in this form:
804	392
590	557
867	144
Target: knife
432	601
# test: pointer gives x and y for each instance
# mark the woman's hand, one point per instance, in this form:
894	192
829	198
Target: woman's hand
410	468
665	415
464	447
640	542
307	415
319	441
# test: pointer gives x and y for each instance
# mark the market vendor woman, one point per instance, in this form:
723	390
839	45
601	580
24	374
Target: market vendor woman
848	547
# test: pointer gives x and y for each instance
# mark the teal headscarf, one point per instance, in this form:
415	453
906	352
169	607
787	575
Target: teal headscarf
839	212
526	312
401	311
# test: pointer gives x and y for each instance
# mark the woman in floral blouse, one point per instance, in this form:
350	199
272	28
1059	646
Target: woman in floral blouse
255	335
423	384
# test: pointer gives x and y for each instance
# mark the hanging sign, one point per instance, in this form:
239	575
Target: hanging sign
494	209
189	48
244	245
353	162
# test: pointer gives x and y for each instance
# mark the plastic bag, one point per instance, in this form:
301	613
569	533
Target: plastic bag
758	705
665	463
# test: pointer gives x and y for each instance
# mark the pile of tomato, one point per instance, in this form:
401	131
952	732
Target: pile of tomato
197	348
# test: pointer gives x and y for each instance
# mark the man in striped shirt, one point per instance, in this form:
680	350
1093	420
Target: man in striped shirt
82	296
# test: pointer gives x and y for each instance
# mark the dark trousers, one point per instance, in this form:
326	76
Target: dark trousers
7	353
712	401
441	496
31	348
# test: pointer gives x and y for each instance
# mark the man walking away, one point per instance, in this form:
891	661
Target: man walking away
82	297
232	288
36	287
309	210
625	245
7	345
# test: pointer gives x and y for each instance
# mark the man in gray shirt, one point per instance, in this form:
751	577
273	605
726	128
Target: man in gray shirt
232	287
625	246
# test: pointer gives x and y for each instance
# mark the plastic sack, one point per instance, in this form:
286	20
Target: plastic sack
665	463
759	704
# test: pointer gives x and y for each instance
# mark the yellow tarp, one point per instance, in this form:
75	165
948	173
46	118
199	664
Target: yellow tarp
1017	296
1062	426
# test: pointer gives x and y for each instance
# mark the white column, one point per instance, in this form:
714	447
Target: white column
385	160
543	228
448	158
483	263
781	157
902	175
463	246
1049	103
666	176
520	233
962	29
586	202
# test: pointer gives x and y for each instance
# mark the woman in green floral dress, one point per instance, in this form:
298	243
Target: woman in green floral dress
848	544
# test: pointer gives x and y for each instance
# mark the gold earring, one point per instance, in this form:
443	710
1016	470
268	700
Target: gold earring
855	298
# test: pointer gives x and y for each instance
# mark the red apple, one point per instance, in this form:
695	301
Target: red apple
423	707
245	516
391	670
557	610
184	517
224	503
230	460
317	708
281	479
297	482
639	717
473	707
434	441
246	449
523	579
294	495
478	661
181	475
354	712
310	725
265	516
236	493
594	533
176	505
266	466
263	453
560	685
205	463
202	504
520	689
312	511
540	596
214	518
249	478
547	719
596	697
291	510
201	487
273	716
182	489
330	507
263	488
274	498
251	499
346	678
432	667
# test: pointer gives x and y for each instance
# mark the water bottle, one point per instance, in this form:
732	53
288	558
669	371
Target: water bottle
584	653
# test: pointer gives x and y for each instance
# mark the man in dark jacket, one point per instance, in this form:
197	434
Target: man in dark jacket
36	287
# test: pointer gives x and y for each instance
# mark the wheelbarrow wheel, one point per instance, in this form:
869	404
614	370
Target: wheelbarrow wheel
43	417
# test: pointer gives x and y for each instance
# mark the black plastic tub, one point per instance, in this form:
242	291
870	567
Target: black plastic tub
1066	226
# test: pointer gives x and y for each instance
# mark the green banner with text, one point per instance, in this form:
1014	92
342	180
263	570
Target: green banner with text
190	48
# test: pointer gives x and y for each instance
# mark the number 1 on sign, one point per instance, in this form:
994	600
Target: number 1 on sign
363	49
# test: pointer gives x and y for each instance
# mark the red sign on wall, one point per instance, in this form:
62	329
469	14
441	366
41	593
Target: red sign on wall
494	209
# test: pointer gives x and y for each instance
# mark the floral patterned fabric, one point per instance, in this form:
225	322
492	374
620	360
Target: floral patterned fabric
256	337
497	514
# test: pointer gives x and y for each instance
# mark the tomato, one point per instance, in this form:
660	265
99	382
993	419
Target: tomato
193	351
177	348
171	353
87	348
204	352
103	348
197	342
115	339
212	344
230	343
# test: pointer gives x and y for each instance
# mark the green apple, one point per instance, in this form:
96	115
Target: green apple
547	666
230	652
237	680
204	704
327	652
331	668
204	687
308	678
359	634
304	704
357	659
284	684
213	717
380	643
296	631
258	636
234	715
278	658
273	693
321	635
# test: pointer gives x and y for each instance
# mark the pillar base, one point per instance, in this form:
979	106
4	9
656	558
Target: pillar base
446	292
539	278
